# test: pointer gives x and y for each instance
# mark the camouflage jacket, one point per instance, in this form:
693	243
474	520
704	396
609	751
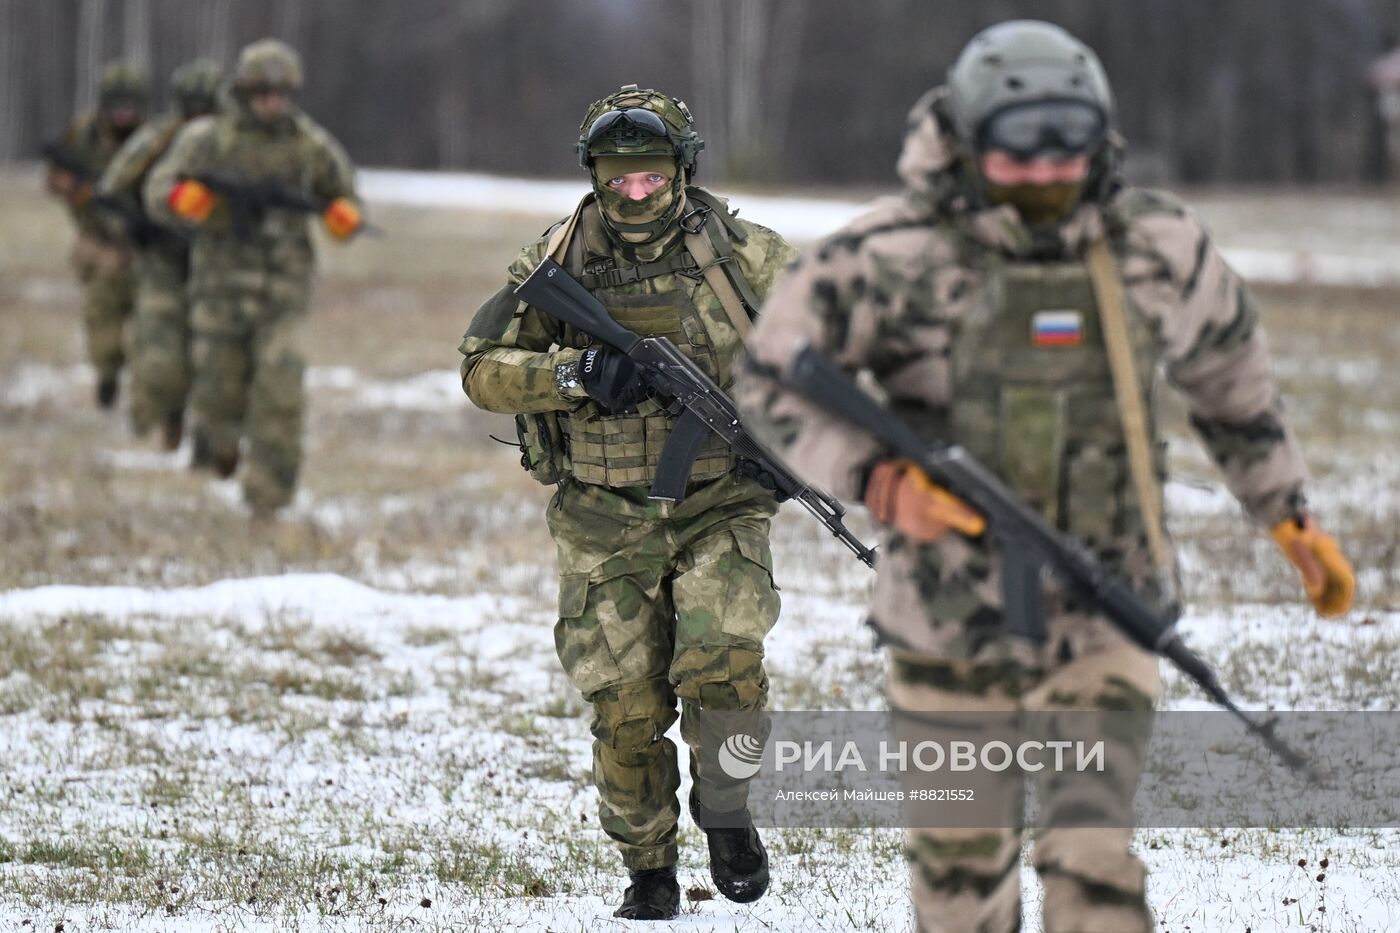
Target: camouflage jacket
891	291
127	171
511	350
295	152
95	146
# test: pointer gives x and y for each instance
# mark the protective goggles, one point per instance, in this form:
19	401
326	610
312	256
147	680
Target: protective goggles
626	126
1038	127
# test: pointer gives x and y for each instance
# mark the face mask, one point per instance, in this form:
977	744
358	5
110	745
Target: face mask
649	220
1039	204
643	221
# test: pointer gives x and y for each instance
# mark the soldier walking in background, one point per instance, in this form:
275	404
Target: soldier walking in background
657	601
101	252
985	302
160	337
243	182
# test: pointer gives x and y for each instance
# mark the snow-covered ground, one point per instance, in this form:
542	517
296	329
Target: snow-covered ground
358	722
805	218
408	744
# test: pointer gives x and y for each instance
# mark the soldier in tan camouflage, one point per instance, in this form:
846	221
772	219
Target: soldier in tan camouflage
658	602
101	252
250	263
971	301
160	338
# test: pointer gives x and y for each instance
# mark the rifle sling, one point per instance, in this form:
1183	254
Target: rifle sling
1132	408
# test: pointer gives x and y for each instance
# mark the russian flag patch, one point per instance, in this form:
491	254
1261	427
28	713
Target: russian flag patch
1057	329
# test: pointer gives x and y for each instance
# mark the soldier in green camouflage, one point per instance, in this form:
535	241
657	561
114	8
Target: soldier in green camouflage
101	253
973	301
160	338
250	268
658	602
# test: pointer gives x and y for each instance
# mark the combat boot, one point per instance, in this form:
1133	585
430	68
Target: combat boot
738	861
652	895
201	456
225	464
107	391
172	430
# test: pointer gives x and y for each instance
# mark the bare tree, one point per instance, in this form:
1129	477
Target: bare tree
745	60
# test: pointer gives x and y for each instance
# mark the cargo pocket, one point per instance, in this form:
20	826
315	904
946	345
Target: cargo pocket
751	601
580	641
573	595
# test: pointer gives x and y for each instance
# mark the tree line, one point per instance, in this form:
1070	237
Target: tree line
807	91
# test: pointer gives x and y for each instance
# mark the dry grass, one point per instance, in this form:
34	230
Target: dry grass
163	763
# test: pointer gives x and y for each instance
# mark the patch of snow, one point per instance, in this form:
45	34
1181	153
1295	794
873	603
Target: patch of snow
806	218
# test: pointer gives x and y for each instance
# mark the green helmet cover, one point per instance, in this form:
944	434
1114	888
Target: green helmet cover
122	82
268	63
196	82
681	141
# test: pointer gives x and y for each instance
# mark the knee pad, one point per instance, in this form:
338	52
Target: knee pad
631	718
721	677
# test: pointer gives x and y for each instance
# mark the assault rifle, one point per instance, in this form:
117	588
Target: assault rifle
701	404
1029	545
65	159
139	229
142	231
248	200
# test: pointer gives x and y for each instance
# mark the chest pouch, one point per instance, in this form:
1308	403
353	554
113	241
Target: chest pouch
621	450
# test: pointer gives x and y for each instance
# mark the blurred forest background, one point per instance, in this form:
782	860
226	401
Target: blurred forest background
806	91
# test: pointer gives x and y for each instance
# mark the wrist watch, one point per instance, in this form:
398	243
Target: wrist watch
566	379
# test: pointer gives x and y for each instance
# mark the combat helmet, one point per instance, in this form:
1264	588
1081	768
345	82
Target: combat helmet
1031	89
195	86
639	121
267	64
1024	64
121	83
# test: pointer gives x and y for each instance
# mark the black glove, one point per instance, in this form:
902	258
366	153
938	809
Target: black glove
748	469
612	380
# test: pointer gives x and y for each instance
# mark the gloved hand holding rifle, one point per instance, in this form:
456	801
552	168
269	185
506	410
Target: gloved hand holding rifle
932	489
630	366
195	196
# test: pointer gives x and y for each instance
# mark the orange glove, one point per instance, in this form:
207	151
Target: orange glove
191	201
898	493
342	218
1327	576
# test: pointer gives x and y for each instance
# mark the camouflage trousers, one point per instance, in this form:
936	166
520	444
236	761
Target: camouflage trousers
249	368
660	603
108	289
968	879
160	339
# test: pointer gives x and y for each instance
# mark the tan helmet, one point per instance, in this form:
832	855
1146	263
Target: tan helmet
268	64
1024	63
122	83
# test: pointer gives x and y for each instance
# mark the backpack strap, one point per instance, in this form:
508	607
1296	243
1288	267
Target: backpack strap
710	244
559	240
